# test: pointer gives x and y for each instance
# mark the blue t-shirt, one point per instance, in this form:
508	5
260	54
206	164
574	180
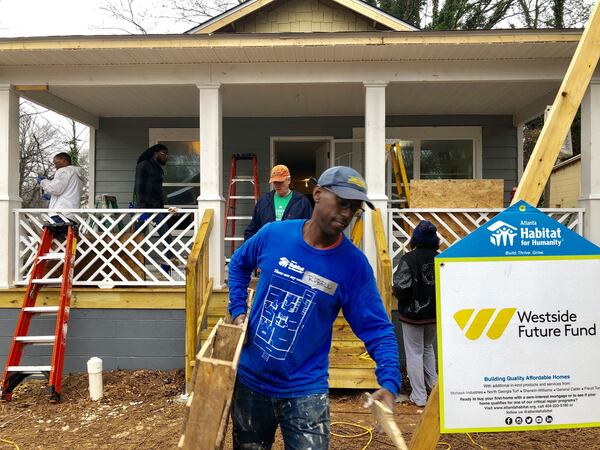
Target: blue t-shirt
299	294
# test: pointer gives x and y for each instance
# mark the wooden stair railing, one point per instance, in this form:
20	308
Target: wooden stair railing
384	262
198	287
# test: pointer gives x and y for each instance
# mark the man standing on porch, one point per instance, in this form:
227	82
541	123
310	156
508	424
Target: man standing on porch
310	271
65	188
279	204
149	176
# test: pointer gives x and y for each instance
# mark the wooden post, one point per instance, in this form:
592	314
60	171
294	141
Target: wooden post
563	111
427	434
197	291
384	263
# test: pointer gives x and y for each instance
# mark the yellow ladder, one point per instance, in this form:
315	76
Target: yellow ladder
395	153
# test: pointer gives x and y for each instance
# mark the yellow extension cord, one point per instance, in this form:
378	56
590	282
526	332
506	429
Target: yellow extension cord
369	431
6	441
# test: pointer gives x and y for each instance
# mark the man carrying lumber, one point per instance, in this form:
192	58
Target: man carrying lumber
309	271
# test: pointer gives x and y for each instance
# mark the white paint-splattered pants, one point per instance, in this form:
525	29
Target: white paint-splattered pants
420	359
304	421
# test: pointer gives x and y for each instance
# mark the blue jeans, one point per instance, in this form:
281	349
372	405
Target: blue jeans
304	421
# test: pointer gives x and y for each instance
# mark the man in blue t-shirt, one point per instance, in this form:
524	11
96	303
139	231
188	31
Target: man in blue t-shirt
310	271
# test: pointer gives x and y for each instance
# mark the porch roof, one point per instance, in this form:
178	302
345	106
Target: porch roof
288	47
513	72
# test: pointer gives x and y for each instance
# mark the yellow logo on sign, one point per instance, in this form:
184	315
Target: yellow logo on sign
357	181
481	321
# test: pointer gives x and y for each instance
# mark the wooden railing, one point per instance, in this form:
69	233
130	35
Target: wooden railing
116	247
198	287
358	229
384	263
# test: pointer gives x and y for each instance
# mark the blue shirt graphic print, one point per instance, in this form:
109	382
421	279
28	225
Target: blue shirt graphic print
299	295
282	316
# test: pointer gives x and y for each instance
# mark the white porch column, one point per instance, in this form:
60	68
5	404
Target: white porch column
590	161
375	161
9	181
211	175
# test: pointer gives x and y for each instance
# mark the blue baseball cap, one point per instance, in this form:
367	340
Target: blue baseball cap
346	183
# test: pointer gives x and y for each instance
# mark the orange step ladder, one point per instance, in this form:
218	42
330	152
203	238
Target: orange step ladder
232	196
14	373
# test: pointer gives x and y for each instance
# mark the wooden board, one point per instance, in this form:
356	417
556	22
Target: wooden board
213	381
457	193
385	418
427	434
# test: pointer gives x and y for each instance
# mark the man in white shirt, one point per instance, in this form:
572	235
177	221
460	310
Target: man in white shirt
65	187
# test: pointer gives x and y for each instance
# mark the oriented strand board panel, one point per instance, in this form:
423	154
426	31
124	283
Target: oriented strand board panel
457	193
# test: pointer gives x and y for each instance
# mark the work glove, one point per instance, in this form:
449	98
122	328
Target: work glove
39	178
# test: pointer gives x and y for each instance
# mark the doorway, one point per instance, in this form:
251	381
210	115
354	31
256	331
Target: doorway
305	157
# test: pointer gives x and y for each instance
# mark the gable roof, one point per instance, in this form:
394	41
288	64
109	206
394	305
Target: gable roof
248	7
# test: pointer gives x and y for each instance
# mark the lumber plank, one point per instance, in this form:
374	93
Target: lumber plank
352	378
385	418
427	434
563	111
83	298
209	406
215	368
225	343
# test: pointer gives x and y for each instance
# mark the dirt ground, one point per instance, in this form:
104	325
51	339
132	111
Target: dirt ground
139	411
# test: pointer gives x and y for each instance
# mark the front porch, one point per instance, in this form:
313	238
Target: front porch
338	89
450	97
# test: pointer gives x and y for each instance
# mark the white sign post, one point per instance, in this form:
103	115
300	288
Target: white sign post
518	327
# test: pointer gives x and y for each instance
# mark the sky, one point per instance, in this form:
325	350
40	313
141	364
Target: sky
20	18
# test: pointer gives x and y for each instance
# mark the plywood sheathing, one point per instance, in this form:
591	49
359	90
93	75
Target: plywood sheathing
457	193
446	194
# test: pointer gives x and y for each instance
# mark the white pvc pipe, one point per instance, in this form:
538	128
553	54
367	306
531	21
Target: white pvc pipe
94	366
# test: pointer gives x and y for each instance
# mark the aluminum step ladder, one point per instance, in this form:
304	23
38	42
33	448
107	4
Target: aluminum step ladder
14	372
235	178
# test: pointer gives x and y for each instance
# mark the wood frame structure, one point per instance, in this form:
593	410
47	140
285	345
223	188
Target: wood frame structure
563	111
198	289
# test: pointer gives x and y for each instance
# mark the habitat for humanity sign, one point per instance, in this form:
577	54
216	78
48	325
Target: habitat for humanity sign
518	326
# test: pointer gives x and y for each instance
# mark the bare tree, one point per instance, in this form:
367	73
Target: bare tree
38	140
137	17
194	12
551	13
130	14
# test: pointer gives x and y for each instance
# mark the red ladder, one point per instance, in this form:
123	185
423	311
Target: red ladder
232	197
15	373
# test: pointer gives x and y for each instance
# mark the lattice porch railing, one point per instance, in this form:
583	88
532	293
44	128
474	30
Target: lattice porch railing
116	247
454	224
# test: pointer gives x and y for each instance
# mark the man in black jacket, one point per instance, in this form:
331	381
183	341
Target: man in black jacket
280	204
149	176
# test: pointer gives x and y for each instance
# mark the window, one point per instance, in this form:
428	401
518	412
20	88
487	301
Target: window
439	152
431	153
181	186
